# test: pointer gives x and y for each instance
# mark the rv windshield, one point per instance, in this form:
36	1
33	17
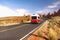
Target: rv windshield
34	17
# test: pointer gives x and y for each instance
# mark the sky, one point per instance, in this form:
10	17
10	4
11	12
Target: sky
21	7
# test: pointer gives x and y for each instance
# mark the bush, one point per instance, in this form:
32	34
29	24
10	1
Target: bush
27	19
22	21
52	34
39	33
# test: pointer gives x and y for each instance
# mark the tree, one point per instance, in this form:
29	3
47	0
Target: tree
48	15
55	13
58	12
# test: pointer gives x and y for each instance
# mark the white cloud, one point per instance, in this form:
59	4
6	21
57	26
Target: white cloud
39	11
54	5
21	12
57	3
5	11
43	11
50	8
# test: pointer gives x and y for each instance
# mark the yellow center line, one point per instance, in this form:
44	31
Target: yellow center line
11	28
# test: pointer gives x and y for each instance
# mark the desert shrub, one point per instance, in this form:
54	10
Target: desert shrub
51	25
39	33
22	21
54	25
57	29
27	19
52	34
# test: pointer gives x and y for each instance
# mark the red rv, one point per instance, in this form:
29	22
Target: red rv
35	19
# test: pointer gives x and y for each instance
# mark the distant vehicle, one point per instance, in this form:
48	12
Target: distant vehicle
35	19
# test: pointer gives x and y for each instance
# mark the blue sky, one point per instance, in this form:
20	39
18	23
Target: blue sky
32	6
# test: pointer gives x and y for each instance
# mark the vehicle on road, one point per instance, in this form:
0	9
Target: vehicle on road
35	19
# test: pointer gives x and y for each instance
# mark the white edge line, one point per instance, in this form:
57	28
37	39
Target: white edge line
31	32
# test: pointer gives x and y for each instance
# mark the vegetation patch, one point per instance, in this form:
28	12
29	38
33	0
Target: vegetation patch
50	30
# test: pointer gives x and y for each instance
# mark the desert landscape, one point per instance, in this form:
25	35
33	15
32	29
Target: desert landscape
5	21
29	19
50	30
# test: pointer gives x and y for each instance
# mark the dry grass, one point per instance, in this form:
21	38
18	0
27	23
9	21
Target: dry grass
52	34
39	33
13	19
50	29
54	24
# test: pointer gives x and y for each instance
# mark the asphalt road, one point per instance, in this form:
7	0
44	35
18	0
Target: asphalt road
15	32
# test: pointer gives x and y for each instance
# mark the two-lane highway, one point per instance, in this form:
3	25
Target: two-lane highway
16	32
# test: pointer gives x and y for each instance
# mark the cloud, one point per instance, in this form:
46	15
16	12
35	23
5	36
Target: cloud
43	11
22	12
50	8
39	11
54	5
46	11
57	3
6	11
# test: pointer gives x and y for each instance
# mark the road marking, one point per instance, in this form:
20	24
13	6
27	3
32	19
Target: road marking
12	28
31	32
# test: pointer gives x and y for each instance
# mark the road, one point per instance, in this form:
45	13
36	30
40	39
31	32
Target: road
15	32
